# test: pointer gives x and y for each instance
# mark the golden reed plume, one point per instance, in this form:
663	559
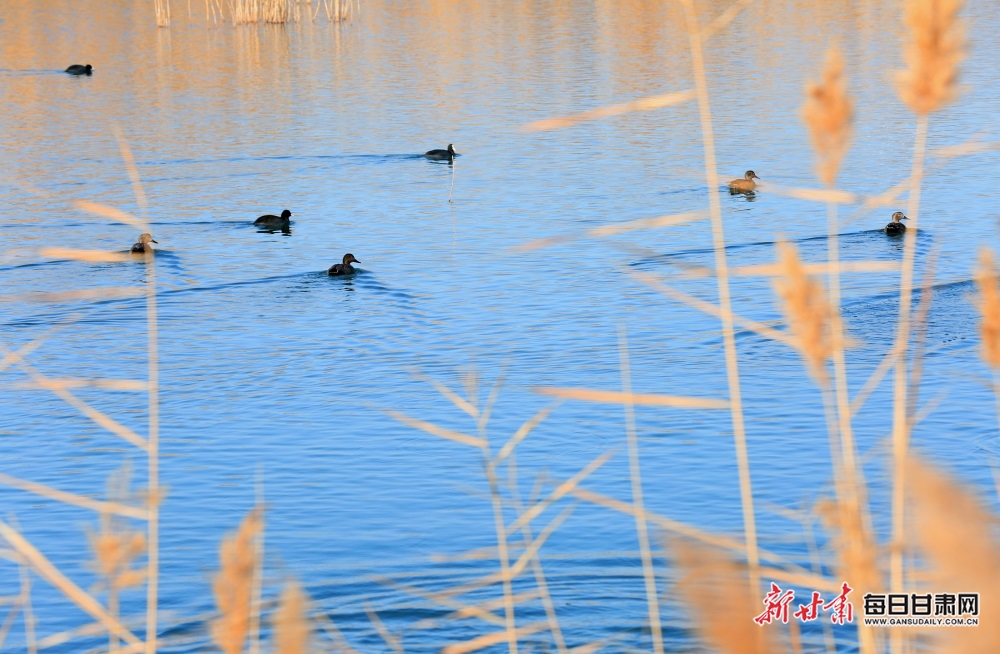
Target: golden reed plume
114	550
233	585
721	600
989	307
291	627
856	551
806	309
956	536
828	112
932	57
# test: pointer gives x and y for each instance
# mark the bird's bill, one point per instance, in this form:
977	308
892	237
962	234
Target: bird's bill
152	241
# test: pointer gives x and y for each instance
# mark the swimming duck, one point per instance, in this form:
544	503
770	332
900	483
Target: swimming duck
141	247
896	228
343	268
744	185
274	222
77	69
442	155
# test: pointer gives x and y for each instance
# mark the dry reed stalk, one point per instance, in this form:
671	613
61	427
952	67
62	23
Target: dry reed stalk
115	508
387	636
451	395
162	10
29	611
50	573
560	491
341	644
152	441
930	81
84	631
614	229
852	540
90	256
434	430
105	211
956	535
806	310
482	611
642	104
482	642
827	113
712	309
721	601
921	317
512	571
526	532
635	475
932	56
20	353
722	283
522	433
881	370
336	10
115	548
12	613
724	18
106	384
774	270
98	294
819	333
806	519
97	416
989	308
291	625
233	585
648	399
257	585
506	571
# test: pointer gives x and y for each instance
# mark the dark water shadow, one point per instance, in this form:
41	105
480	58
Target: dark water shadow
366	158
749	196
308	282
866	244
29	72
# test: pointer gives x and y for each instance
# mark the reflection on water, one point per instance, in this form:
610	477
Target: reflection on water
274	371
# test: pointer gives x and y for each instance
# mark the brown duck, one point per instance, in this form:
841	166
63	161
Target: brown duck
143	245
896	228
744	185
344	268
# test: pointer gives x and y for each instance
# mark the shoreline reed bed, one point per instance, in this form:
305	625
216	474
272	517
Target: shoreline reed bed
720	576
161	8
273	12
